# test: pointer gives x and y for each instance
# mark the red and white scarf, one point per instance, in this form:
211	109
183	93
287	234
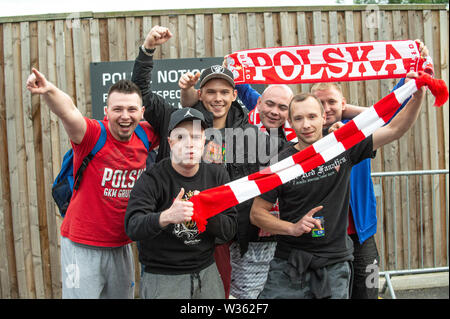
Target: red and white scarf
215	200
255	119
328	62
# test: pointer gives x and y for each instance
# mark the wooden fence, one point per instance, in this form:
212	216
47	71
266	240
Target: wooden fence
62	46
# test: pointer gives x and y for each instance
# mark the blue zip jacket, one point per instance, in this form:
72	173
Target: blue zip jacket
362	197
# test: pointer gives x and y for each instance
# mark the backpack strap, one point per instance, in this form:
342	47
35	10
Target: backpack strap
140	132
97	147
101	140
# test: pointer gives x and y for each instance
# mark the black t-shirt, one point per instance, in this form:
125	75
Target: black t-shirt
175	249
327	185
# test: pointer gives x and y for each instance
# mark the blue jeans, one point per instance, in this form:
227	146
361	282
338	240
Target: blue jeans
279	285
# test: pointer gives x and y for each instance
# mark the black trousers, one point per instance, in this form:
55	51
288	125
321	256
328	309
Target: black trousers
366	267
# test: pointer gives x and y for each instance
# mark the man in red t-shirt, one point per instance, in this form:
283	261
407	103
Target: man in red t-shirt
96	257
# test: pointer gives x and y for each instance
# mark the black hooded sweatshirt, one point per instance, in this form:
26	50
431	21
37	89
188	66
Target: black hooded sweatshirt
247	149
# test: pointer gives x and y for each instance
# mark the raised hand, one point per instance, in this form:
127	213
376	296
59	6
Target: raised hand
37	83
157	36
335	126
188	80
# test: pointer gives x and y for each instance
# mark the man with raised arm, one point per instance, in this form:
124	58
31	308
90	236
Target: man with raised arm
313	255
96	256
230	140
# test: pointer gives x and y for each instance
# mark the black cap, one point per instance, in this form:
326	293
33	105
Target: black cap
185	114
216	72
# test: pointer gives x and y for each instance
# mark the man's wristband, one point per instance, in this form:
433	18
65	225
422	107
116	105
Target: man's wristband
147	52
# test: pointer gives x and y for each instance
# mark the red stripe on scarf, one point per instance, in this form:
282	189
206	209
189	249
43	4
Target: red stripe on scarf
215	200
268	182
386	107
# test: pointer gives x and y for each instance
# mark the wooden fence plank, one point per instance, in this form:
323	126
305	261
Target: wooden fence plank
30	160
251	29
333	27
234	32
4	269
130	36
55	156
49	213
415	158
165	48
431	38
35	112
268	29
61	75
352	97
242	40
302	39
390	154
78	48
22	163
146	27
173	44
429	117
94	36
182	31
8	274
190	28
200	50
444	61
12	116
217	35
288	38
85	32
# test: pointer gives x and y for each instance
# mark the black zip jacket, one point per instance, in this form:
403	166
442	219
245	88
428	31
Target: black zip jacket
248	149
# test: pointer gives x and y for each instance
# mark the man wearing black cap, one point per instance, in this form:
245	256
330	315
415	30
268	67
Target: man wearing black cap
178	261
230	140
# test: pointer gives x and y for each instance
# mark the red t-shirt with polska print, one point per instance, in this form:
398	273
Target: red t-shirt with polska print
96	212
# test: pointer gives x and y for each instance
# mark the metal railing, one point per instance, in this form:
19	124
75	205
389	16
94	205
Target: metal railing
388	274
437	189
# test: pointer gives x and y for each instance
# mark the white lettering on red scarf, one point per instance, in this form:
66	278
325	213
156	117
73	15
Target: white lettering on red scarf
327	63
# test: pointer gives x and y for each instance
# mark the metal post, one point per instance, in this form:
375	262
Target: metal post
381	217
421	220
389	285
395	220
407	221
433	211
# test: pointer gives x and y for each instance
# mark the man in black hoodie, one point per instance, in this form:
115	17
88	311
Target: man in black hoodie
230	140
